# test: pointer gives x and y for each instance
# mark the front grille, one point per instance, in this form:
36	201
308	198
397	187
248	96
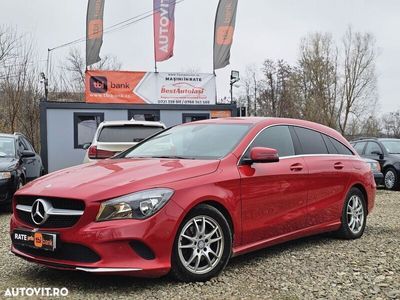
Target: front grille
53	221
64	251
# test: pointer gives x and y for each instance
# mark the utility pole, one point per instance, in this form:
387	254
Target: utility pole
255	94
235	77
45	82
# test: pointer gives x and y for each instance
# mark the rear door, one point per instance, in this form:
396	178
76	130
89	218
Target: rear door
329	173
274	195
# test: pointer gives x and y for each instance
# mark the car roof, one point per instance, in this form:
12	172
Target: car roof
267	121
132	122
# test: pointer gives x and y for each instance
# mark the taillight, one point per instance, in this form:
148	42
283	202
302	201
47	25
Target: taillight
95	153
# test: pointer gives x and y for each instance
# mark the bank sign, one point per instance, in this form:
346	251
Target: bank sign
150	88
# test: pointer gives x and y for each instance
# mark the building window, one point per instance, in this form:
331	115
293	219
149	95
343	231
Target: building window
85	126
186	118
144	115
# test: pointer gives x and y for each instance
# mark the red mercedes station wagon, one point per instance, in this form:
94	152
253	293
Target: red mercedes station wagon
187	199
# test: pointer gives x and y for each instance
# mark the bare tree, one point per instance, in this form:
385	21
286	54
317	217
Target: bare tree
8	43
391	124
70	80
317	78
359	79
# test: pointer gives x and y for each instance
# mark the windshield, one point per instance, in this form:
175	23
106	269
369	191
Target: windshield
193	141
127	133
7	148
392	147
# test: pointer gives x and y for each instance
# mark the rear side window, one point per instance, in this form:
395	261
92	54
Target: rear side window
311	141
336	147
359	147
127	133
276	137
342	149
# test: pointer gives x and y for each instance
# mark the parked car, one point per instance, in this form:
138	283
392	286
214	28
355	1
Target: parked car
113	137
18	164
187	199
376	170
387	153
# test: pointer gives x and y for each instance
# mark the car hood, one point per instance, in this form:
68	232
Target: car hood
8	163
115	177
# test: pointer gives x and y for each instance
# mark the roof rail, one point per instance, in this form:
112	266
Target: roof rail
363	138
19	133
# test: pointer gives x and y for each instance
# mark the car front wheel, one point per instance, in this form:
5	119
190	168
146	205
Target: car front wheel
391	179
202	246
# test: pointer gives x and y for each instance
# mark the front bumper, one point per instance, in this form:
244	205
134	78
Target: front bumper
112	241
7	189
378	176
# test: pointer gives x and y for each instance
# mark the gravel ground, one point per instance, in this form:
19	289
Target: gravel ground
318	267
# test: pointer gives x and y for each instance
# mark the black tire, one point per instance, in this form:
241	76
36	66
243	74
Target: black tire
345	231
178	270
392	174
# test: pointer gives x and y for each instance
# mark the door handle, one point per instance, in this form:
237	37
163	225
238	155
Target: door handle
338	166
296	167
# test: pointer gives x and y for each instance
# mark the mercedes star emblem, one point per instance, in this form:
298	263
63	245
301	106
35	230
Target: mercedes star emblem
39	211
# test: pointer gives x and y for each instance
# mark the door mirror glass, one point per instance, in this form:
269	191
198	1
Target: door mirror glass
263	155
27	153
377	153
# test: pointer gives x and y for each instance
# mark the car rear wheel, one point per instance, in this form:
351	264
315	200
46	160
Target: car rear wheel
354	215
202	246
391	179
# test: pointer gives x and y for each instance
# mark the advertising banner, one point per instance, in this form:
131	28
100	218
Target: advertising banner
150	88
94	31
223	33
164	29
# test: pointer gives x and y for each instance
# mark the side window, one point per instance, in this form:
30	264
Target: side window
20	145
28	145
311	141
342	149
359	147
372	147
276	137
85	126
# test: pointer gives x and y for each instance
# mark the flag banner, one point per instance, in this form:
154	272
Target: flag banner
94	31
150	87
223	32
164	29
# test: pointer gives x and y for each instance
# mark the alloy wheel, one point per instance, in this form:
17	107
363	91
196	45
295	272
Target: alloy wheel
201	244
355	214
390	179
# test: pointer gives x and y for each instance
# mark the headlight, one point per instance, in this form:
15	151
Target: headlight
140	205
375	166
5	175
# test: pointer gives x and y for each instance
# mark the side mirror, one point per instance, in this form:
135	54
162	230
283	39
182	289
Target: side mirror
377	153
262	155
27	153
86	146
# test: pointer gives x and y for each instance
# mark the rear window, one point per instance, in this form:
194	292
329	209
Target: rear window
127	133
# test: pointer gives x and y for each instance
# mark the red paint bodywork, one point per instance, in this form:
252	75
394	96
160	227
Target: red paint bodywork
266	203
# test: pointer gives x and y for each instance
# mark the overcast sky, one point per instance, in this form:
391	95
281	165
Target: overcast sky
265	29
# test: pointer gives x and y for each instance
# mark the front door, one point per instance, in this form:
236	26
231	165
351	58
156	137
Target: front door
274	195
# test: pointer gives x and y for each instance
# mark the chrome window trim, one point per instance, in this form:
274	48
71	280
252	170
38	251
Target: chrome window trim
292	156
